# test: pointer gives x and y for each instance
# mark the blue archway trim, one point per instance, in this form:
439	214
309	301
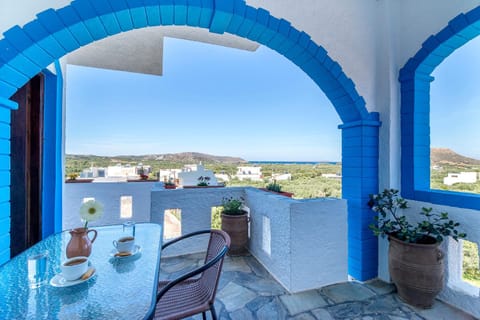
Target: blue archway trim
415	78
26	51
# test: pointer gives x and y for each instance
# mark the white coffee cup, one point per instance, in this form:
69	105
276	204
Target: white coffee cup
74	268
124	244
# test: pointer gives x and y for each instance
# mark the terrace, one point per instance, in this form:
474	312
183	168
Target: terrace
372	59
248	291
297	265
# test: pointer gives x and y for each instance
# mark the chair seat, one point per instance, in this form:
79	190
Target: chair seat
194	292
183	300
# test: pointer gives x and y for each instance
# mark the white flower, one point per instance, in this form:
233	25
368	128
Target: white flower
90	211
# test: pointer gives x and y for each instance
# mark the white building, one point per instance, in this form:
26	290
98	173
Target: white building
193	174
249	173
93	172
222	177
120	171
282	176
462	177
332	175
169	174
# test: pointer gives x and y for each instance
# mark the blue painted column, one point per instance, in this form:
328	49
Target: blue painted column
359	180
5	114
52	172
415	124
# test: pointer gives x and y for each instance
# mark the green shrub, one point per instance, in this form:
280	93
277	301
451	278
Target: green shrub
274	186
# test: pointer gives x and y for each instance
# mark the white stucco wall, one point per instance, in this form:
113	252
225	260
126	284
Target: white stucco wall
308	239
196	205
302	243
22	11
108	194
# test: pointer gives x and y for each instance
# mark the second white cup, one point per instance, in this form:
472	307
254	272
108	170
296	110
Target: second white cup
124	244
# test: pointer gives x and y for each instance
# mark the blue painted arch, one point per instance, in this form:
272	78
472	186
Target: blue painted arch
415	78
24	51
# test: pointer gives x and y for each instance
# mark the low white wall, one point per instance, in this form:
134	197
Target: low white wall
456	292
108	193
196	212
302	243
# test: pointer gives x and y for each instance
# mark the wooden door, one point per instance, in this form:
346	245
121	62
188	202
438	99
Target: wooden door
26	166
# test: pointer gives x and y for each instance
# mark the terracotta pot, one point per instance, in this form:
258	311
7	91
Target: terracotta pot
417	271
80	244
237	228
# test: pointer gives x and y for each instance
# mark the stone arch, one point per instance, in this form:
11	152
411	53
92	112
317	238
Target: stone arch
415	78
27	50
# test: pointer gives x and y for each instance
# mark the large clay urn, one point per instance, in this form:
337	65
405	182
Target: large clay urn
237	228
80	244
417	271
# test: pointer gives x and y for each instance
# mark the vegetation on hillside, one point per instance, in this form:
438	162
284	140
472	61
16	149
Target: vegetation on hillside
471	271
437	175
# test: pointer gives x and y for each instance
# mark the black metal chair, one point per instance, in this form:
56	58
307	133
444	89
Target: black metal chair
188	295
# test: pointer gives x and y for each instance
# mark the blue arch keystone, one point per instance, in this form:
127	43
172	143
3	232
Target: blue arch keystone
54	33
415	78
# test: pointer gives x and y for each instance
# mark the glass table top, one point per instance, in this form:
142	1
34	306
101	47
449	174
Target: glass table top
121	288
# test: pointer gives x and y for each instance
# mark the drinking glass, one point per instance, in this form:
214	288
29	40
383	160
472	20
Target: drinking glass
129	229
37	269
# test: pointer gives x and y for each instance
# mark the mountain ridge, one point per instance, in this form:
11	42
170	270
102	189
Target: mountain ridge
444	156
438	156
184	157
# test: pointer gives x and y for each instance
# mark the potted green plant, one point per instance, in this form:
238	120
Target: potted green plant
74	178
235	223
203	181
169	184
415	260
276	188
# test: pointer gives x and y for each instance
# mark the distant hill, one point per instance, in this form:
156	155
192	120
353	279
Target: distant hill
197	157
183	157
443	156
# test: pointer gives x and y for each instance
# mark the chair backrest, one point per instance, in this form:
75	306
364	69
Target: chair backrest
209	279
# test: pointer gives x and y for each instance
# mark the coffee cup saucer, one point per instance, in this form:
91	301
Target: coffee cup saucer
118	255
59	281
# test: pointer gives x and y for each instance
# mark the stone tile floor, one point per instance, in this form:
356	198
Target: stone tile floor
247	291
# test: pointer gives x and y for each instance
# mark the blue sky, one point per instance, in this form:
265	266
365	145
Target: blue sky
254	105
211	99
455	102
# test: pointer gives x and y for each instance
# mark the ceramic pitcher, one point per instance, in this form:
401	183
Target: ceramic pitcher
80	244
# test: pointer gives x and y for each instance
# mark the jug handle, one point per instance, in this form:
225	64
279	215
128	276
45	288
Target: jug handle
94	236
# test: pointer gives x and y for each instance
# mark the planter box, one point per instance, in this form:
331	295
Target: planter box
285	194
199	187
170	187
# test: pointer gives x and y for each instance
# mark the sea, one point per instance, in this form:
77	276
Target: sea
294	162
